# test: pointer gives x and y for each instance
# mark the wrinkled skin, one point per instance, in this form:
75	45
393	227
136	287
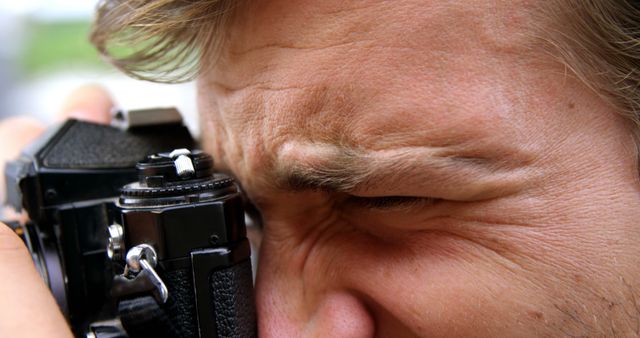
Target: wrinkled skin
523	198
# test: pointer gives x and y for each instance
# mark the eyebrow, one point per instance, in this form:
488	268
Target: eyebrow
344	169
341	171
406	171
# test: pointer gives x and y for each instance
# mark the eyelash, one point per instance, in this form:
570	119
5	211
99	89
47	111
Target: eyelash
390	202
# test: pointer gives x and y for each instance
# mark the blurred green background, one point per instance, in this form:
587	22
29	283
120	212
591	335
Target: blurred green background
57	45
45	54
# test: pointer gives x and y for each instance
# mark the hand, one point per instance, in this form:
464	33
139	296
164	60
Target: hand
27	309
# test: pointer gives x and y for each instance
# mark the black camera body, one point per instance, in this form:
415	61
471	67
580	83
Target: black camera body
135	234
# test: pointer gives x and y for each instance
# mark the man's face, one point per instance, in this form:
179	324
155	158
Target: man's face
424	168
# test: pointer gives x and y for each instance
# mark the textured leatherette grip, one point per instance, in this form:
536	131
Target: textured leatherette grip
181	304
143	317
232	290
93	146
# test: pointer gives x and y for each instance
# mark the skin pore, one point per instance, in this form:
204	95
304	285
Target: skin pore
424	168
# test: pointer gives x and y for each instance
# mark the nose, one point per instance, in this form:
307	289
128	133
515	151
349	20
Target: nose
340	314
292	304
337	314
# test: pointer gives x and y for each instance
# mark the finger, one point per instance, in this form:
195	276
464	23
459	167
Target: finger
15	133
91	103
28	309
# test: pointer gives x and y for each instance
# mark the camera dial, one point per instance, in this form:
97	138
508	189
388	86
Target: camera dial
176	177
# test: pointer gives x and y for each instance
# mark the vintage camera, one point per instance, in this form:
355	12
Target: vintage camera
135	235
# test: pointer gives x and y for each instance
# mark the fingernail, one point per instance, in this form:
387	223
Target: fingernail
87	116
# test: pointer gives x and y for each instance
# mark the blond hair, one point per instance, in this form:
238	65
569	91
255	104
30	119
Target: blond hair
599	42
161	40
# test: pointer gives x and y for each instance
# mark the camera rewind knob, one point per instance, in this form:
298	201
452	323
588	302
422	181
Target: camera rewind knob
182	162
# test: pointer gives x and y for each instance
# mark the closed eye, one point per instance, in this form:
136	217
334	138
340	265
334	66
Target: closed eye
390	202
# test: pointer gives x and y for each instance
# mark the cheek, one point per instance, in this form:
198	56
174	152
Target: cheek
422	283
430	283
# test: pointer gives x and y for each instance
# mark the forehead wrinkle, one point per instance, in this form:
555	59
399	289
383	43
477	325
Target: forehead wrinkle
295	46
274	113
261	86
317	25
339	160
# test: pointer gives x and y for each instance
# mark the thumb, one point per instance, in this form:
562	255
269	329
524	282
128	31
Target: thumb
91	103
27	308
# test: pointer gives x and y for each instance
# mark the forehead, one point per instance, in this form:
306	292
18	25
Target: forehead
375	73
409	31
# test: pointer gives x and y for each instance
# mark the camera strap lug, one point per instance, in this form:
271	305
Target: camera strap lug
139	275
142	296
